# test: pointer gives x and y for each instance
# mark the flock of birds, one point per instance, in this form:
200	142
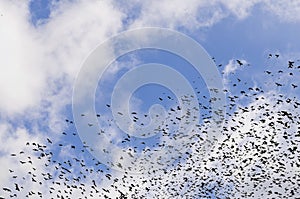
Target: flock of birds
259	156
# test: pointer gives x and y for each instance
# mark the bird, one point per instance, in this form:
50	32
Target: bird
49	141
17	187
239	62
290	64
294	85
6	189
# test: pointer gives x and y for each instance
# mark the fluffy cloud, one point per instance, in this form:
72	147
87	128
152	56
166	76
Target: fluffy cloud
21	77
36	60
232	66
191	15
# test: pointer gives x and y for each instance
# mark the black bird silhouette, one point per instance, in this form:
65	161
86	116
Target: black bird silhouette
239	62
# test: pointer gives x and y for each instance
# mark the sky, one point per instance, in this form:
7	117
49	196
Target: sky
45	45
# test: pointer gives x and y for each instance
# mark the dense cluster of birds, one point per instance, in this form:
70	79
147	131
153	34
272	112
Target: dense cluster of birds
258	157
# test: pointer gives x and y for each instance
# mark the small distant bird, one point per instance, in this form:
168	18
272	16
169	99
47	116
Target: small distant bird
268	72
49	141
17	187
294	86
6	189
239	62
291	64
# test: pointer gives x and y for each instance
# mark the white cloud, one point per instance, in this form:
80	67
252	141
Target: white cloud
21	77
35	62
191	15
194	15
233	66
240	9
288	11
76	29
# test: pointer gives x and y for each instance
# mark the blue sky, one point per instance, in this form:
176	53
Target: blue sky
44	44
39	10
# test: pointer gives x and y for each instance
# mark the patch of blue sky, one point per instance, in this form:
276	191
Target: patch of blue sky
155	56
152	93
70	137
39	11
251	39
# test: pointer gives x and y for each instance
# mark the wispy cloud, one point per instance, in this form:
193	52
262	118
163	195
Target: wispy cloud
233	66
